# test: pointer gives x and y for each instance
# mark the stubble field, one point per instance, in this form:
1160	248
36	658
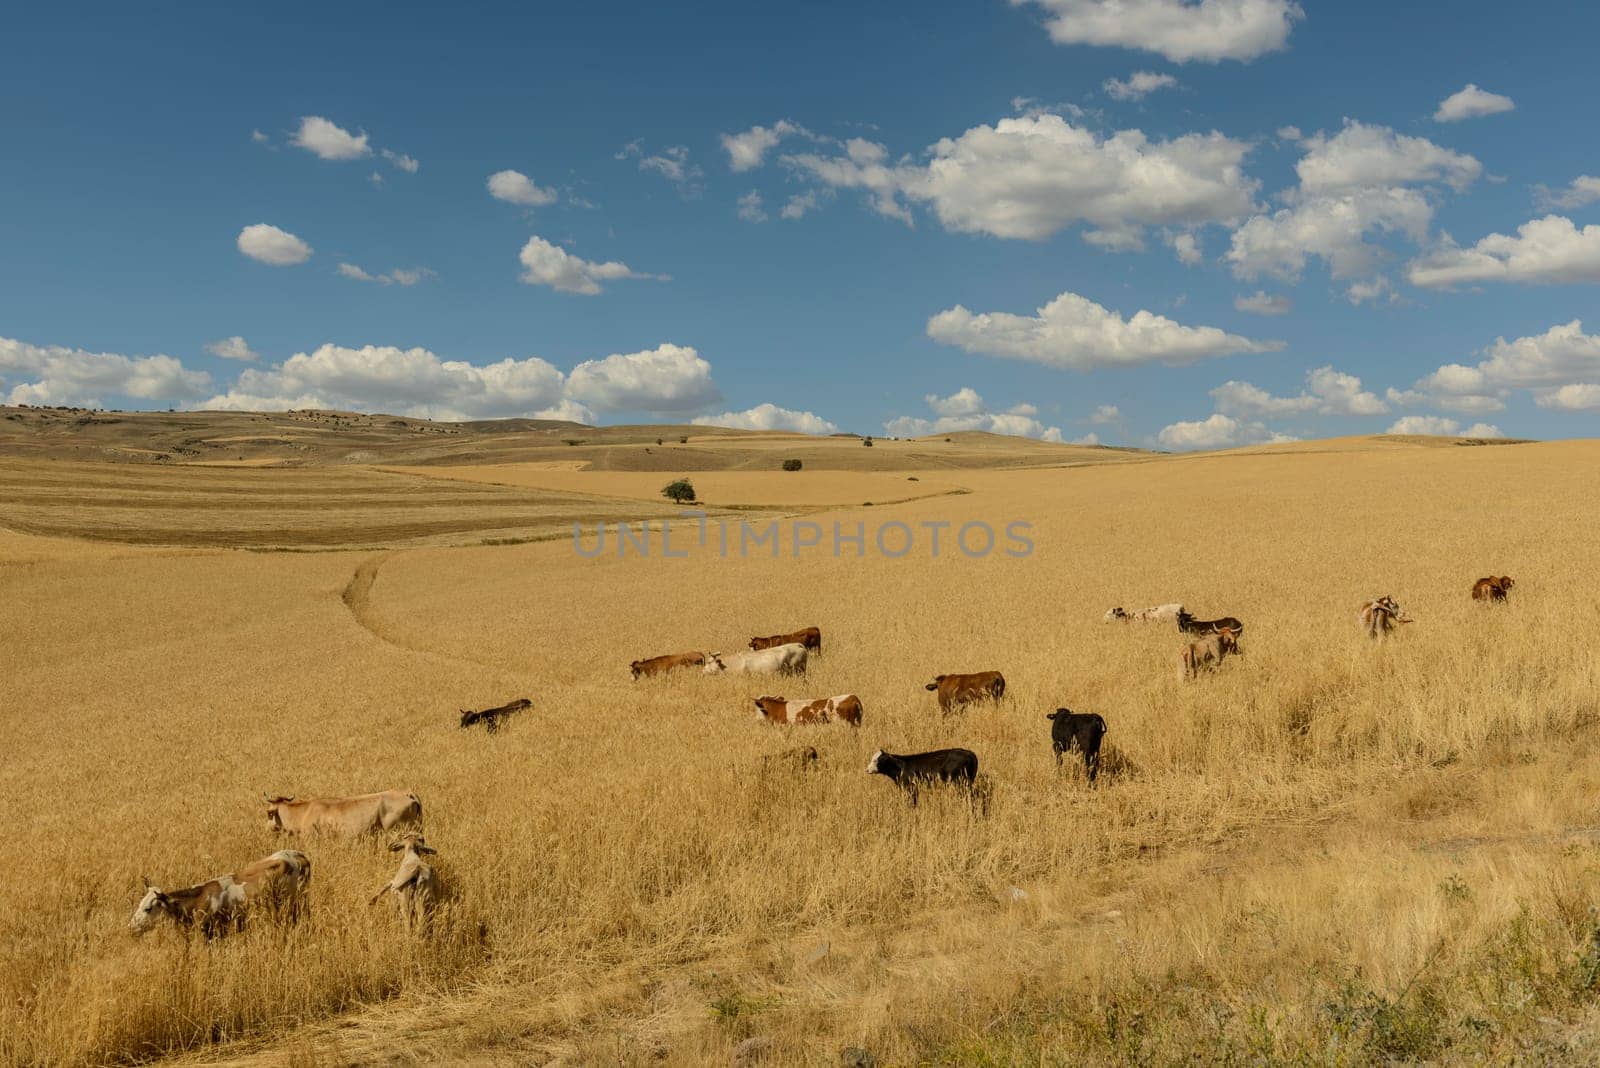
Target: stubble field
1330	852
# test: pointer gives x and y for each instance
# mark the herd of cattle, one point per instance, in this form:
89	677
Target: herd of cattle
278	884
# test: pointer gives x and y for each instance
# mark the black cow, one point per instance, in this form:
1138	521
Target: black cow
941	765
1187	624
490	717
1078	731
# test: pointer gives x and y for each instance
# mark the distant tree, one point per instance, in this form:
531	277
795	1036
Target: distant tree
683	441
867	442
791	465
679	490
571	441
660	442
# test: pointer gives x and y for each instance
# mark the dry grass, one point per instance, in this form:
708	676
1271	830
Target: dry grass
1329	852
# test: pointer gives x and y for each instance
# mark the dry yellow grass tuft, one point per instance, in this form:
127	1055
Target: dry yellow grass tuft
1329	851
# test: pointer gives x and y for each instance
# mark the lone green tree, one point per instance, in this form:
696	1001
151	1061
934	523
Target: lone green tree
679	490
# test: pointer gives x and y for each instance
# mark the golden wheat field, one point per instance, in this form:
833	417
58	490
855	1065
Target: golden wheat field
1330	851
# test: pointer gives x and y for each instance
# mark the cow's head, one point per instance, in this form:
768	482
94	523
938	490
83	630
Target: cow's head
1228	641
1061	713
1115	613
934	685
875	765
762	702
152	906
1506	582
412	841
634	667
714	664
468	718
274	819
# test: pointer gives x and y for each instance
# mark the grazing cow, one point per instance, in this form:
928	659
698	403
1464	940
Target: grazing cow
1187	624
958	766
660	665
216	906
1159	613
1379	617
1080	731
784	659
348	816
956	690
415	884
844	707
277	883
810	637
1207	653
490	717
1492	588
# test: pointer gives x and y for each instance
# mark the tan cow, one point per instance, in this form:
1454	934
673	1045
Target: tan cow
415	885
780	659
1207	653
1379	617
660	665
810	637
347	816
277	883
956	690
844	707
216	906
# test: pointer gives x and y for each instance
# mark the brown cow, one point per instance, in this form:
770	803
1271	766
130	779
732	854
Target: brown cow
660	665
1207	653
415	884
490	717
1379	617
810	637
216	906
957	690
1492	588
349	816
277	883
845	707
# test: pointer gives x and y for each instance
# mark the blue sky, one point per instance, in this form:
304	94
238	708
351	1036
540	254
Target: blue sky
1161	223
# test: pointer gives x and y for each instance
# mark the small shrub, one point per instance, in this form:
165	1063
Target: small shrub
683	441
572	441
679	490
791	465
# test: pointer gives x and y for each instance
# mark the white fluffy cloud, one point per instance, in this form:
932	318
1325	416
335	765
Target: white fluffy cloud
1574	397
328	140
750	209
1471	103
1180	30
545	264
55	374
1439	426
1328	392
1032	175
400	276
1217	432
672	163
966	410
273	246
1560	366
1582	190
748	150
402	381
1262	303
402	161
1105	414
1138	85
668	378
1363	180
232	348
1073	332
514	187
1544	251
769	417
1371	290
1361	156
